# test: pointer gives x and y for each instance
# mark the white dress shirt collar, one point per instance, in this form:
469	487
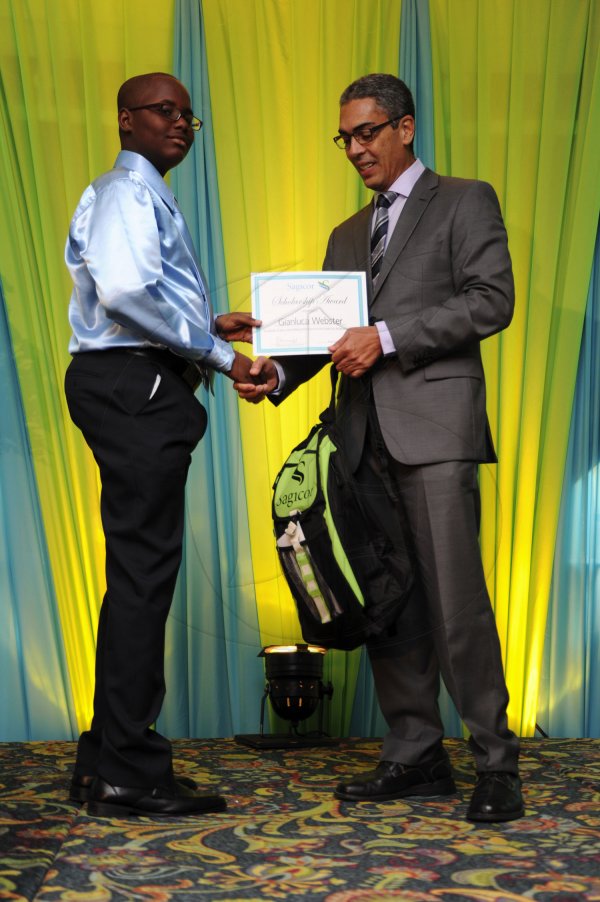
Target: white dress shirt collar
407	180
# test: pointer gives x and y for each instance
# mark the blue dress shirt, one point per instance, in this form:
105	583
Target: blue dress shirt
136	279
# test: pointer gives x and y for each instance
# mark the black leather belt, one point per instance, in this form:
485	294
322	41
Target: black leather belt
191	373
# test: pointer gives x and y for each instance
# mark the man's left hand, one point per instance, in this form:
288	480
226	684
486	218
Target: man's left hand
356	351
236	326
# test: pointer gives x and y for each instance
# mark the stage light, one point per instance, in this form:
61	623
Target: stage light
295	688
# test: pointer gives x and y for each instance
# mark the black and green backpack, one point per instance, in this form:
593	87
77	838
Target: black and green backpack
337	562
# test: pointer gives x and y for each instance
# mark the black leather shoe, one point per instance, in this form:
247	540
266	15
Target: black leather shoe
162	801
497	797
391	780
79	790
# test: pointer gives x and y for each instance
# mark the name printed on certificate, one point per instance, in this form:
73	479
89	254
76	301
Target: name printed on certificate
306	312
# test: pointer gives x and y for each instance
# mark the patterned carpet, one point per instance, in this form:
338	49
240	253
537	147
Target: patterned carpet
286	837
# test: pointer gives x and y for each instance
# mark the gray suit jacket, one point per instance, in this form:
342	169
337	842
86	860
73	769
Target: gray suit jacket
445	284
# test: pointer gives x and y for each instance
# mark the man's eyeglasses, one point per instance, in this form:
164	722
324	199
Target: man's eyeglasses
172	113
363	135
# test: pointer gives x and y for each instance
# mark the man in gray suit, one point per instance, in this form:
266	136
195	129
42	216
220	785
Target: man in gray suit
411	414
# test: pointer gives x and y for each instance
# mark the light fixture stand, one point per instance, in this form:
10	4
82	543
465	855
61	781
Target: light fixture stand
296	691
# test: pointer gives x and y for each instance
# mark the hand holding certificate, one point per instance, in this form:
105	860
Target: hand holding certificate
306	312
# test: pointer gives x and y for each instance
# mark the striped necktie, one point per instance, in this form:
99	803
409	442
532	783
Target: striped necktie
380	231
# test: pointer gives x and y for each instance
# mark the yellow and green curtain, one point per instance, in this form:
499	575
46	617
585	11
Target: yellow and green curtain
505	92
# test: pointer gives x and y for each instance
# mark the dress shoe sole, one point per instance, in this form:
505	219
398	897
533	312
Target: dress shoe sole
438	788
489	817
79	793
209	805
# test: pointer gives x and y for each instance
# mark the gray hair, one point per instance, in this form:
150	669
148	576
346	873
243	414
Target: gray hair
388	92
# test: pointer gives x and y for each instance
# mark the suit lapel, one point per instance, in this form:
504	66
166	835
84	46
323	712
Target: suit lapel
361	240
415	206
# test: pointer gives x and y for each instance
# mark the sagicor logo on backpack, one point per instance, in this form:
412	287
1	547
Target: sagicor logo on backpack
298	475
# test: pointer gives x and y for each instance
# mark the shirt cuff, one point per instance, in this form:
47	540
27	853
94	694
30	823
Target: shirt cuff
387	344
220	357
281	384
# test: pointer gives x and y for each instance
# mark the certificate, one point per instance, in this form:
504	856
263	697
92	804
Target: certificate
306	312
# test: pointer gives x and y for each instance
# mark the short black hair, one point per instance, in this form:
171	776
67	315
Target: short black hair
130	89
388	92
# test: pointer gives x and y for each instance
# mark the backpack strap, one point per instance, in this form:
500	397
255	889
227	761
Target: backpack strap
328	415
328	420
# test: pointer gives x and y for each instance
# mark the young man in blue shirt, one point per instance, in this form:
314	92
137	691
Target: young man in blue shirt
144	338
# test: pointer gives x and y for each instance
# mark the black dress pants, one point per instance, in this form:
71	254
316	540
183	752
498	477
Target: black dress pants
141	421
